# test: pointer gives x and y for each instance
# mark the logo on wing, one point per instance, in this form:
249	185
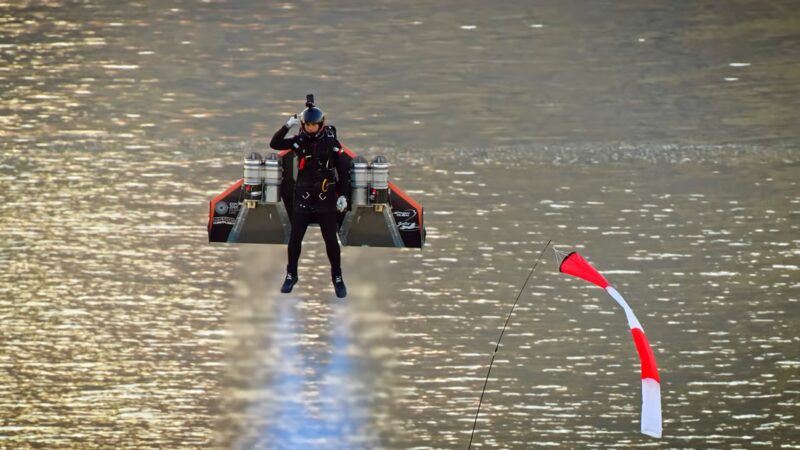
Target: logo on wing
221	208
224	220
227	208
405	219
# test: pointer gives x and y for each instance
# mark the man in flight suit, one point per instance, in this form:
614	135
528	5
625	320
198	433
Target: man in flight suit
320	189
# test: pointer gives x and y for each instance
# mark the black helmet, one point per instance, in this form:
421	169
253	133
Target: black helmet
312	114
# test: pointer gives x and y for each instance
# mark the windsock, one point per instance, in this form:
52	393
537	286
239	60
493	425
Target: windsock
574	264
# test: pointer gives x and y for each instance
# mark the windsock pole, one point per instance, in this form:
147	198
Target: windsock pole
497	347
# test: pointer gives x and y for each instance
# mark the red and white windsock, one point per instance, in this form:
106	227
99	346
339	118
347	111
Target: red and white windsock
574	264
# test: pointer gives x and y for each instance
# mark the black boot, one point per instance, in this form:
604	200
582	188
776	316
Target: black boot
339	287
289	282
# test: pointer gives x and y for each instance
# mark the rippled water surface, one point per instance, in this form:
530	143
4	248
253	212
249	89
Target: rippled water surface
658	140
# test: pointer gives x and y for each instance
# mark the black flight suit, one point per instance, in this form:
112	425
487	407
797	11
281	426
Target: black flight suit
323	175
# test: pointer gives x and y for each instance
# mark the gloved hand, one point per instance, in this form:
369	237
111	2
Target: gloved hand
341	203
293	120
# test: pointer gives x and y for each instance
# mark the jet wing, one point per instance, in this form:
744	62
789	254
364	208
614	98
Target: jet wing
257	208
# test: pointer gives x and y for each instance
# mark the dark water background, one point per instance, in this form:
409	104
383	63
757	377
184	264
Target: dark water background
658	138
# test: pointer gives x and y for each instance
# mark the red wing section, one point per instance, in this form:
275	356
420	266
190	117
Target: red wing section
408	216
223	210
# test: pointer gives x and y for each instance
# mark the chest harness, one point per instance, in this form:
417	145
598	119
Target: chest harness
316	174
